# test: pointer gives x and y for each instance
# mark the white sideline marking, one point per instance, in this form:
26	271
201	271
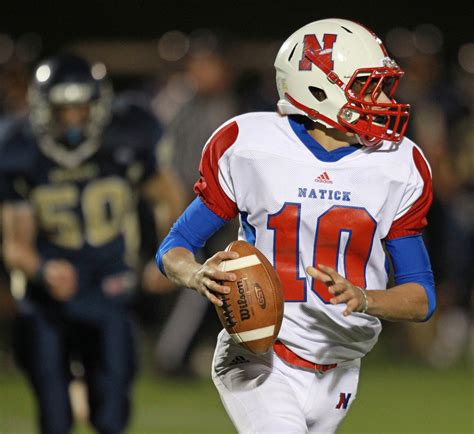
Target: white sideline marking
237	264
253	335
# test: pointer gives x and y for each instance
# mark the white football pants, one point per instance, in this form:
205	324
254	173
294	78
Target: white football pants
263	394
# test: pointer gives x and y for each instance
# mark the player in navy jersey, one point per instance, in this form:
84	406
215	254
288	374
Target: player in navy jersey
70	177
329	189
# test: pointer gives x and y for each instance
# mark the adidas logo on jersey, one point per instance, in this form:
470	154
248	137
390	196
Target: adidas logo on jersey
237	360
324	177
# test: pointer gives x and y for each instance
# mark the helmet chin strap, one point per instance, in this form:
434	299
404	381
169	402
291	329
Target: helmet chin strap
291	106
286	108
369	143
314	115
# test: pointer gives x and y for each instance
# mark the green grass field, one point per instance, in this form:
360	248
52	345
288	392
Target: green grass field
391	399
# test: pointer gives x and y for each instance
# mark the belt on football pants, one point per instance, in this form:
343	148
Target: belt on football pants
293	359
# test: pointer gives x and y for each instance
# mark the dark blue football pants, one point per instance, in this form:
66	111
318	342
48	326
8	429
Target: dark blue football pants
100	337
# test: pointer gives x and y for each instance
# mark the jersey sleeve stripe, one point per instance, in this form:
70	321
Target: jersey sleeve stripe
208	187
413	222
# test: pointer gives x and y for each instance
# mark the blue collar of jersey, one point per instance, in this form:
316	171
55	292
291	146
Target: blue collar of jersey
316	149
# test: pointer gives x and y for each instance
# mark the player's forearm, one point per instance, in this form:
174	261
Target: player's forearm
407	302
19	238
21	257
180	265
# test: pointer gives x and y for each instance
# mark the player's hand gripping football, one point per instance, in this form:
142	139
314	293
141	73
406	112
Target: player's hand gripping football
343	291
207	278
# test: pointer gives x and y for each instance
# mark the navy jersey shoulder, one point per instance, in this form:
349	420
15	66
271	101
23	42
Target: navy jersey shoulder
132	134
20	157
18	148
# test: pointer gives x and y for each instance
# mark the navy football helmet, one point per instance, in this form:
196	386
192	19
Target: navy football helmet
70	104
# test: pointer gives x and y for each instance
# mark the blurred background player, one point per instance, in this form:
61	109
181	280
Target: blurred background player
72	174
328	185
209	73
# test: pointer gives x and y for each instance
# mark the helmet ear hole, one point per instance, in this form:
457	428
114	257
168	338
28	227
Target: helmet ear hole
318	93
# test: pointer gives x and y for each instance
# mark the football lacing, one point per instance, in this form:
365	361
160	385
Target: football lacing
227	311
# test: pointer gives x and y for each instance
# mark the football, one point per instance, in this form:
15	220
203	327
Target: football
253	310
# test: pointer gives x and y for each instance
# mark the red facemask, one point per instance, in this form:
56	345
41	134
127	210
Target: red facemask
379	118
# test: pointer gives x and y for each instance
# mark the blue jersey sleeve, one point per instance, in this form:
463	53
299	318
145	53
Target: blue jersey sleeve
191	230
411	264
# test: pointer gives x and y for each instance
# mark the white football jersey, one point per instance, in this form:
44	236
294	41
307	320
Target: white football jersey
302	205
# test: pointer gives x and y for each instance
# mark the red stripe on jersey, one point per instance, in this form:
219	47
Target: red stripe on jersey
413	222
207	186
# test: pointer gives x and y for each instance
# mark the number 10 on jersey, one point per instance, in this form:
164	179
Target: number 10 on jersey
343	241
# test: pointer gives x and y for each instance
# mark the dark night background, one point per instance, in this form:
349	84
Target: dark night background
68	21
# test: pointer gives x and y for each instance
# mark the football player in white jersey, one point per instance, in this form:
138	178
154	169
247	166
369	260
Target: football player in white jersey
330	190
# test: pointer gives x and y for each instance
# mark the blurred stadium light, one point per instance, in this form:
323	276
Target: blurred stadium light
428	38
466	57
173	45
